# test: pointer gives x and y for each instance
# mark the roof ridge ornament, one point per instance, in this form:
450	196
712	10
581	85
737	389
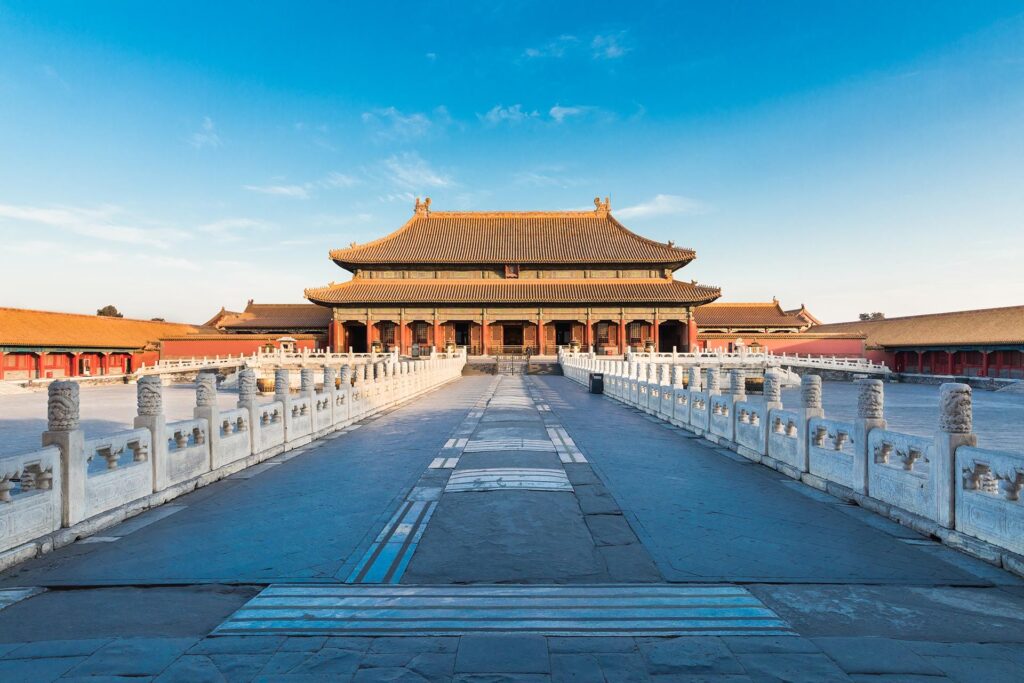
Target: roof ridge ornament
602	208
422	208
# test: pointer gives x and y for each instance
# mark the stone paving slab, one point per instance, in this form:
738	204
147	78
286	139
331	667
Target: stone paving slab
866	605
300	520
704	517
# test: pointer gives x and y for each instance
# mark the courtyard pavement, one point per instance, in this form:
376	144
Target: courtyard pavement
463	525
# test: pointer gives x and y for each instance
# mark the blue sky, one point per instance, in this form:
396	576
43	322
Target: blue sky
174	158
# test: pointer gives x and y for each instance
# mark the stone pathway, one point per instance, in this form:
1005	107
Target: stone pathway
448	501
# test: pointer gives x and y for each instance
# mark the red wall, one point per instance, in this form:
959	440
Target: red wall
232	344
784	343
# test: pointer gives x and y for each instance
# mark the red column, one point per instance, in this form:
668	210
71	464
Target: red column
3	359
540	337
74	365
39	364
622	335
438	336
920	362
654	336
588	332
369	335
484	333
984	365
334	335
949	362
691	334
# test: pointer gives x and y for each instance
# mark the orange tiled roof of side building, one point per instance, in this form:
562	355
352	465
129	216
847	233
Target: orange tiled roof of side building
24	327
982	326
276	316
757	314
361	290
518	237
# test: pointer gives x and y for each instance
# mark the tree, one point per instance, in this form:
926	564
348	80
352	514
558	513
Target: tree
109	311
872	316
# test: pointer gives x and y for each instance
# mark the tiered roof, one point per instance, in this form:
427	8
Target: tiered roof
273	317
756	314
486	238
982	326
516	237
377	291
23	327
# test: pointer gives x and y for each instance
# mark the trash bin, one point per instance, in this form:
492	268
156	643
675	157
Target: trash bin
597	382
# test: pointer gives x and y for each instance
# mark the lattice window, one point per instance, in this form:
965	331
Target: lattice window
603	333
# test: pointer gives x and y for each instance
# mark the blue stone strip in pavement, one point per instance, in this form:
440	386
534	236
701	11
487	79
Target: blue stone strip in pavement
666	610
388	556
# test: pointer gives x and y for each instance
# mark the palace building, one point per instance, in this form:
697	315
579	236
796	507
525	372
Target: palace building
513	281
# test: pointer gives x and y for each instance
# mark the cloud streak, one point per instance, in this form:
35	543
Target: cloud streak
412	172
664	205
206	136
105	223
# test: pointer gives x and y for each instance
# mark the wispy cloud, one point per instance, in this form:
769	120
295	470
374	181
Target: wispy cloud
391	124
108	223
500	114
410	171
232	229
555	48
545	176
664	205
334	180
206	136
52	75
290	191
608	46
560	113
601	46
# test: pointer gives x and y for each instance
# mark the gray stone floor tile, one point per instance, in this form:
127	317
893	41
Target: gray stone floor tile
791	668
239	667
702	678
502	654
134	657
8	647
433	665
388	675
629	564
622	667
875	656
965	670
610	530
575	668
37	670
192	669
591	644
688	655
415	644
105	679
57	648
501	678
898	678
302	644
767	644
359	643
237	645
966	650
283	662
330	662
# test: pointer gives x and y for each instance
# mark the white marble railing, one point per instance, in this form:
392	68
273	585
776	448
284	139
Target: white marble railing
943	484
75	486
750	359
262	359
